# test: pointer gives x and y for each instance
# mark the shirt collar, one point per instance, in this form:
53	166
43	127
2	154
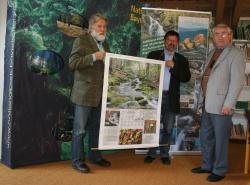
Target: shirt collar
166	52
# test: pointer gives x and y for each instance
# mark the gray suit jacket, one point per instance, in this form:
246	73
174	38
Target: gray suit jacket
226	80
88	74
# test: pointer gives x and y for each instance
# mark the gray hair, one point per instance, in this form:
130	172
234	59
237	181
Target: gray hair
95	18
229	30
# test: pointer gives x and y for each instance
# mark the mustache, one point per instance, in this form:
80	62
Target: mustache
98	36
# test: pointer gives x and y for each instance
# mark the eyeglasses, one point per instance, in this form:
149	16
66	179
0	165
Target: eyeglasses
223	34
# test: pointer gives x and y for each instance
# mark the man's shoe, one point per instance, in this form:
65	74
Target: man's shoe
103	163
165	160
200	170
81	167
214	178
148	159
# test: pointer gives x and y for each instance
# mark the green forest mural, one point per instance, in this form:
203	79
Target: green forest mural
39	38
36	26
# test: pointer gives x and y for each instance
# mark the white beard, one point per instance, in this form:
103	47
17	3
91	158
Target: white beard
97	36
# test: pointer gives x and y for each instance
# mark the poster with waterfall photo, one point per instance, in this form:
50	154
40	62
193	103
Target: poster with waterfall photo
193	28
131	102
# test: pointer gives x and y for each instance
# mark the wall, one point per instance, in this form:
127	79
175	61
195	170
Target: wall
3	5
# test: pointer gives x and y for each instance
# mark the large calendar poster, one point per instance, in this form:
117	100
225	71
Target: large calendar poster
131	102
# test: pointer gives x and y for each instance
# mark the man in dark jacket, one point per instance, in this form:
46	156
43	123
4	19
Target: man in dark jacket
176	71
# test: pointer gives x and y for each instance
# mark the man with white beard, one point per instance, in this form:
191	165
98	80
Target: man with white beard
87	62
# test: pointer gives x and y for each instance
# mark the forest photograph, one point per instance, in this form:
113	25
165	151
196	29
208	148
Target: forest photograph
133	84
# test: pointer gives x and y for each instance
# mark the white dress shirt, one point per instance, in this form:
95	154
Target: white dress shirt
167	74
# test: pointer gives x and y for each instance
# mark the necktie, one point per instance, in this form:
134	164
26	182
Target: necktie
208	69
215	57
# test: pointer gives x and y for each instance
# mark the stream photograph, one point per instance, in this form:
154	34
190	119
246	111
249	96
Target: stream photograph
133	84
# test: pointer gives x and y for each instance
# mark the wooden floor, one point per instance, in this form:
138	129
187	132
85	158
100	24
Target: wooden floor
127	169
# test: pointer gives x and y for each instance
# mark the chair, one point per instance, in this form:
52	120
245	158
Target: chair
247	114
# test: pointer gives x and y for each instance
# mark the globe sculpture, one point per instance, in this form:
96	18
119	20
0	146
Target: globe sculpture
45	62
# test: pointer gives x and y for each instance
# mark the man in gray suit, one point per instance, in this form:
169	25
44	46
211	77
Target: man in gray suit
222	81
86	61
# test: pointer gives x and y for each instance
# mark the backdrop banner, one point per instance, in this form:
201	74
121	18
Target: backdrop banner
37	114
193	27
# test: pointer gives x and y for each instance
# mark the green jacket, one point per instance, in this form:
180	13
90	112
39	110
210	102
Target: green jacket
88	74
